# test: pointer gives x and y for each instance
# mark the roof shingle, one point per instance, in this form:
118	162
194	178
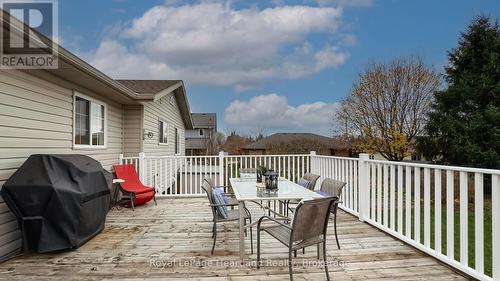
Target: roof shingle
332	143
148	87
204	120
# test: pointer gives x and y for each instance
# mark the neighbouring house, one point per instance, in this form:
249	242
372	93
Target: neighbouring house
290	143
78	109
201	139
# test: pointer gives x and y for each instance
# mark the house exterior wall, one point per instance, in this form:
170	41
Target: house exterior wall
195	134
36	116
132	130
196	144
163	109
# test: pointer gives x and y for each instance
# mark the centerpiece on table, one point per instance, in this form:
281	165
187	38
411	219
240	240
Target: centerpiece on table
261	181
271	180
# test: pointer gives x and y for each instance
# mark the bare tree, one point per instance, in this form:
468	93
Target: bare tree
213	142
387	106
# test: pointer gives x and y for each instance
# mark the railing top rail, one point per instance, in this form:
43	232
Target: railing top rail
217	156
442	167
180	156
337	157
266	155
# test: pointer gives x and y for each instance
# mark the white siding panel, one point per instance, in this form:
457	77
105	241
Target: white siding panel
36	116
132	124
171	114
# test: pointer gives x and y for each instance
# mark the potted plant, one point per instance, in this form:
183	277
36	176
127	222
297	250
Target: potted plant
261	170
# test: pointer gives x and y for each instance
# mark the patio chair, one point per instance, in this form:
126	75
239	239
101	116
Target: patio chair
309	227
308	178
312	179
331	187
132	187
232	215
230	196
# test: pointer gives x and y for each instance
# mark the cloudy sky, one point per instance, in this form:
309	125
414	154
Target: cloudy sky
263	66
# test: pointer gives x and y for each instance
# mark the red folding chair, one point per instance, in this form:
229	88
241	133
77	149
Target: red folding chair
132	186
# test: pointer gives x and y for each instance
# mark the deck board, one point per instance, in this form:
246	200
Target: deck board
177	235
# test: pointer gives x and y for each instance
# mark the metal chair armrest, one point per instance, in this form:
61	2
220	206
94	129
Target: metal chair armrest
216	205
273	220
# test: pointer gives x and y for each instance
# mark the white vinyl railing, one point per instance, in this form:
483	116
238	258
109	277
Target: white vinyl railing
342	169
443	211
183	175
450	213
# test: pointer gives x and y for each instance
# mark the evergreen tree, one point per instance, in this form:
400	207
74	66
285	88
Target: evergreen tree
464	124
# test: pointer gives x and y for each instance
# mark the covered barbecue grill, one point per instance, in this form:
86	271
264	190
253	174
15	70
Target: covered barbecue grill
60	201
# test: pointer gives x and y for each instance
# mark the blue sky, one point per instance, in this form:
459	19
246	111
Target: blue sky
263	66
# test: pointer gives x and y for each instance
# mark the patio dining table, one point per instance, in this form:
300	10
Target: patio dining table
247	191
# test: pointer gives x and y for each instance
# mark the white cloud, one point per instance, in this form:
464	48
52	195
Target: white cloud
273	112
212	43
344	3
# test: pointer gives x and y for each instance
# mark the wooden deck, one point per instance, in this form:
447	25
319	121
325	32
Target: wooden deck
172	241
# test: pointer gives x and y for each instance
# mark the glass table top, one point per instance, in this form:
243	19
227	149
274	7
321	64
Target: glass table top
245	189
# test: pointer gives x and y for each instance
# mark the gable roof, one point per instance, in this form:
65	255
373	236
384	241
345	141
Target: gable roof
204	120
70	67
331	143
148	87
153	90
75	70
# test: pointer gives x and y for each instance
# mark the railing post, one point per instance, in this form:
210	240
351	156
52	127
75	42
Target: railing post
311	157
221	167
364	188
495	216
120	159
142	166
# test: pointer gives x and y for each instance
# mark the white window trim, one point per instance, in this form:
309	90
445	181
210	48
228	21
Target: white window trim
92	100
168	131
178	141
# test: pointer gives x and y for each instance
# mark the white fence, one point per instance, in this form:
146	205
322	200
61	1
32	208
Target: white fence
450	213
183	175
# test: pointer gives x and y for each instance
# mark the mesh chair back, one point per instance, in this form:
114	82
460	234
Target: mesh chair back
311	218
312	178
207	187
333	187
210	181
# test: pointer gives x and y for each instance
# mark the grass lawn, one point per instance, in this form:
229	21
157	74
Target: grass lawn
471	229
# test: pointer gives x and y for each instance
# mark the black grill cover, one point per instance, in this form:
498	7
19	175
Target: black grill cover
61	201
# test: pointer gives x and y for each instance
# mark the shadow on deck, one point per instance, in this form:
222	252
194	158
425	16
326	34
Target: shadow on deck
172	241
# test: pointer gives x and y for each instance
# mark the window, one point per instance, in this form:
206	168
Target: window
177	141
201	132
162	132
89	122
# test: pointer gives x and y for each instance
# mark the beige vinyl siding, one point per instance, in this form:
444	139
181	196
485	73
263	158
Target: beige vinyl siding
164	110
10	235
36	117
132	130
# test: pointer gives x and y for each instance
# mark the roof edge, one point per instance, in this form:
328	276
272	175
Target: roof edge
167	91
